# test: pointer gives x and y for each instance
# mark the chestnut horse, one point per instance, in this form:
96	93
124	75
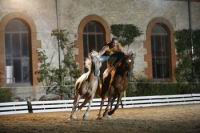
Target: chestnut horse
87	84
116	83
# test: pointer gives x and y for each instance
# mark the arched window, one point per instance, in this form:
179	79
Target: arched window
160	48
93	33
17	50
93	37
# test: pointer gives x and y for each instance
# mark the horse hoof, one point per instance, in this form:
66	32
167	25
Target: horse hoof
105	113
99	118
72	118
110	113
69	119
85	117
107	117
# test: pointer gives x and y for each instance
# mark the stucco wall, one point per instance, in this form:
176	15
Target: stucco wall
71	12
137	12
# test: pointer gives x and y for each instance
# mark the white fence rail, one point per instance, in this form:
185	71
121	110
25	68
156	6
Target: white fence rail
128	102
13	108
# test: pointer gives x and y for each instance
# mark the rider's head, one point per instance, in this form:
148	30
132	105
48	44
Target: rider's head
113	42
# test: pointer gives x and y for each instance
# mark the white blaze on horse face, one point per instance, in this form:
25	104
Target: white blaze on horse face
129	60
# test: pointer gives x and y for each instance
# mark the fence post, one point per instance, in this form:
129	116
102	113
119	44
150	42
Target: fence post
30	109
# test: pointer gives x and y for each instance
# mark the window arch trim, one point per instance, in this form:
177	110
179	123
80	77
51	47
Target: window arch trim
147	45
79	44
35	44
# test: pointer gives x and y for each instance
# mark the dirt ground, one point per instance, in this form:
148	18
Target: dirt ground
166	119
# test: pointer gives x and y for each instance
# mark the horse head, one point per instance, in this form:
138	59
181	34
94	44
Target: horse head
96	63
129	61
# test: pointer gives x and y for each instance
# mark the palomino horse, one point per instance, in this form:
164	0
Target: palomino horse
116	83
87	84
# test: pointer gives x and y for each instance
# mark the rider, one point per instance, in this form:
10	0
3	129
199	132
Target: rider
112	52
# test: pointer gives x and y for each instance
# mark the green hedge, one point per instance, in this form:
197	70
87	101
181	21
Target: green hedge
151	88
5	95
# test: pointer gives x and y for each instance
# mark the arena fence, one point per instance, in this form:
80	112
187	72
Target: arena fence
66	105
13	108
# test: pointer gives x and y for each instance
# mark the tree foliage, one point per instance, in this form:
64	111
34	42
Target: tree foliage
54	78
126	33
187	61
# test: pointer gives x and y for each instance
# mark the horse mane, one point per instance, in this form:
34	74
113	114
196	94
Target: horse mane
88	63
94	53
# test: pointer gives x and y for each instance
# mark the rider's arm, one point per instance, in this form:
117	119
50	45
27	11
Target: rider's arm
103	50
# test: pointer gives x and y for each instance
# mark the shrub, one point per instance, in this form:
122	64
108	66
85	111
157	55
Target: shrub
149	88
184	52
56	80
5	95
126	33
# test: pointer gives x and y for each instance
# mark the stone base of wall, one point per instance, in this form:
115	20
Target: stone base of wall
25	93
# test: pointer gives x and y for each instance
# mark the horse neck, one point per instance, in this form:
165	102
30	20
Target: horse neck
91	71
121	69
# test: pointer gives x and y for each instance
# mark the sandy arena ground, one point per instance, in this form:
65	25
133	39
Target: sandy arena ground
167	119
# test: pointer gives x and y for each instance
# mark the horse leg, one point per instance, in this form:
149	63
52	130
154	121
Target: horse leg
116	106
106	110
122	104
110	88
113	100
101	106
88	108
102	95
109	102
75	103
109	94
83	104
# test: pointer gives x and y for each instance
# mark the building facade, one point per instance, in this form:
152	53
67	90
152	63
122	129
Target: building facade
26	26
